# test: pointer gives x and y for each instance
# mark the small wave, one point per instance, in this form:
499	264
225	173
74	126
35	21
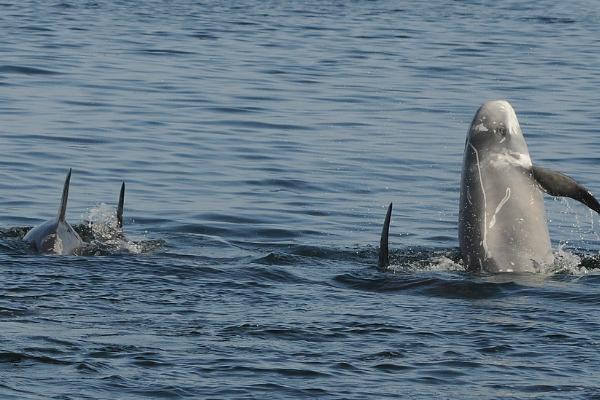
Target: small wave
437	263
16	358
52	340
426	260
293	392
550	20
290	372
308	333
495	349
150	361
260	125
288	252
6	312
277	259
267	274
110	351
87	367
204	36
235	110
281	183
14	246
14	232
18	69
444	286
164	52
160	391
120	247
392	368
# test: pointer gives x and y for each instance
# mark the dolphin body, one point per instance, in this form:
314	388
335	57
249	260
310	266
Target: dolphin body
56	236
502	223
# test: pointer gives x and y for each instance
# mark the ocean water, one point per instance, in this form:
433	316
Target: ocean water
260	143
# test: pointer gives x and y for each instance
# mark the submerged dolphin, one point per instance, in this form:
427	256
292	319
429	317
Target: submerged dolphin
502	224
56	236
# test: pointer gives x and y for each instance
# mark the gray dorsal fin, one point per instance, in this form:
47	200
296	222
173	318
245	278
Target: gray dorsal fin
120	206
557	184
384	255
62	211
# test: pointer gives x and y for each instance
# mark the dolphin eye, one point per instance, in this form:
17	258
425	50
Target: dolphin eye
501	130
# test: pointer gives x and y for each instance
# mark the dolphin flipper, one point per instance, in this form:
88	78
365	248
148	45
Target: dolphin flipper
557	184
62	211
384	256
120	206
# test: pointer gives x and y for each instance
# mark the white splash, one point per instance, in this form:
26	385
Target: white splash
102	220
434	264
566	263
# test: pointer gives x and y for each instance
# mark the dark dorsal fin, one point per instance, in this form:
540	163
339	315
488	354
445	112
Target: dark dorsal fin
557	184
384	256
62	211
120	206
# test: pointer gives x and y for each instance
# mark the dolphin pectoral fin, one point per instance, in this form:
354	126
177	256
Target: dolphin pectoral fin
384	256
558	184
62	211
120	206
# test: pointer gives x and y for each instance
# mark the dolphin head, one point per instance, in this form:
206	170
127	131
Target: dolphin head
495	130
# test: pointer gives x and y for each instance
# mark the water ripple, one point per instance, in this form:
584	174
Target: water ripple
24	70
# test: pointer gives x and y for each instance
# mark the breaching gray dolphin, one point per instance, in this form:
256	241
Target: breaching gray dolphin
56	236
502	224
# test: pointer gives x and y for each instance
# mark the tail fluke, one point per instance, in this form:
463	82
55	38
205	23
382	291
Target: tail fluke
120	206
62	211
384	256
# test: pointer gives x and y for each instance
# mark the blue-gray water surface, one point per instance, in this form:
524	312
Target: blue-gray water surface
260	143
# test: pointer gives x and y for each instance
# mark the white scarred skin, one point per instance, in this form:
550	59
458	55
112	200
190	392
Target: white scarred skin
502	224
